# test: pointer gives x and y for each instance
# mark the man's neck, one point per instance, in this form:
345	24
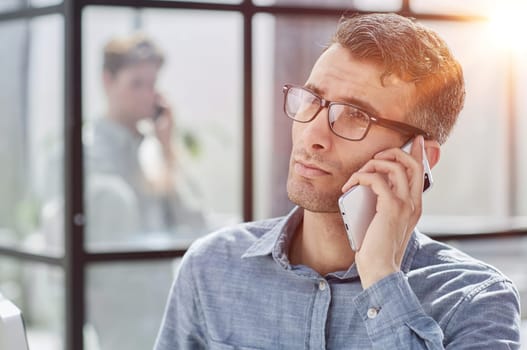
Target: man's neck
320	242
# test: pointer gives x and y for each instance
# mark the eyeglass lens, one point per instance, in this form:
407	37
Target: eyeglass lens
345	120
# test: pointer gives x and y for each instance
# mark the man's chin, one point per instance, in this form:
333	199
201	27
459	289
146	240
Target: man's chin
313	202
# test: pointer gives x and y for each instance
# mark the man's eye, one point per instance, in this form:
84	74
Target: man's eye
357	116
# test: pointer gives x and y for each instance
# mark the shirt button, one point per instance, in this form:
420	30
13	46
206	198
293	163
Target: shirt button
372	312
322	285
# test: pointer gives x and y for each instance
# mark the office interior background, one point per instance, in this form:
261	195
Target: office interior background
225	64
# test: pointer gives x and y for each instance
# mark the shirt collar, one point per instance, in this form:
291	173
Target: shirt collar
277	240
273	242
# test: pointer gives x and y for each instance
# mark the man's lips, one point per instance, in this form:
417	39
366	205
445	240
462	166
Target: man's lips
308	170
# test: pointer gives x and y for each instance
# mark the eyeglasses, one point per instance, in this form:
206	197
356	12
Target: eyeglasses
345	120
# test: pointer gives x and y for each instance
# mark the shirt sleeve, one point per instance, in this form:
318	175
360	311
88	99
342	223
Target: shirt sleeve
183	324
394	318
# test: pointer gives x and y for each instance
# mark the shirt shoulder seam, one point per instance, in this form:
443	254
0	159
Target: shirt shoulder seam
473	293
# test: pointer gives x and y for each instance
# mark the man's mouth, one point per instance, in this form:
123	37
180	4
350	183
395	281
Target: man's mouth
307	169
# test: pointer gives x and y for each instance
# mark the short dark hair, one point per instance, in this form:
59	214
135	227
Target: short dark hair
416	54
128	50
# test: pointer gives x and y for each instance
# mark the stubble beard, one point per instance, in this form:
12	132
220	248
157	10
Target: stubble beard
320	198
303	194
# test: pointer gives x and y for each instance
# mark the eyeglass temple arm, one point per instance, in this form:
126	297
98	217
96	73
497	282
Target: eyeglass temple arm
401	127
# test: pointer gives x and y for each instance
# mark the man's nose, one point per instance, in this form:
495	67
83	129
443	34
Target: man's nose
317	134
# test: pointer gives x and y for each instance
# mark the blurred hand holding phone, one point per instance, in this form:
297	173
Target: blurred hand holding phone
159	110
163	125
358	205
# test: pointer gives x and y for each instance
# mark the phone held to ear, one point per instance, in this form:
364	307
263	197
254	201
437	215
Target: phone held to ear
358	205
158	111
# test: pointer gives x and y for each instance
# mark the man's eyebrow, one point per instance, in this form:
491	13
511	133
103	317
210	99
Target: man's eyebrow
351	100
313	88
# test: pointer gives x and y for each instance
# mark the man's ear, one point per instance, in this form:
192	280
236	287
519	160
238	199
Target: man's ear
433	152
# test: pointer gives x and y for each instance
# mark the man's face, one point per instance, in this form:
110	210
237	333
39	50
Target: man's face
131	91
321	162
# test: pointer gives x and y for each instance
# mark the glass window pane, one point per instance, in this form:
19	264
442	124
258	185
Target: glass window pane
474	157
519	72
378	5
365	5
466	7
125	303
11	5
31	95
182	180
38	291
14	53
43	3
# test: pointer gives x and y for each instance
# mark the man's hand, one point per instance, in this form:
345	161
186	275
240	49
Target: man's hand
163	126
397	179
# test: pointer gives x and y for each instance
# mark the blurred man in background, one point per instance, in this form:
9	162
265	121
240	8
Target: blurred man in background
126	208
130	70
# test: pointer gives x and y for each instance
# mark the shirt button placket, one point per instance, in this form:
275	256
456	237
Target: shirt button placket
322	285
320	311
372	313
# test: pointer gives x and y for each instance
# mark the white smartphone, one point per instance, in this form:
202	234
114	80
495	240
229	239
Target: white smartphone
358	205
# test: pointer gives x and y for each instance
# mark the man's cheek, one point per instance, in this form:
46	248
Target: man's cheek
296	132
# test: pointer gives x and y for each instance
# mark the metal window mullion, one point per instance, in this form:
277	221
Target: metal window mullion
247	164
28	256
191	5
30	12
101	257
74	255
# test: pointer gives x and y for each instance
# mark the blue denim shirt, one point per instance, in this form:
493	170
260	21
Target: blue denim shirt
236	289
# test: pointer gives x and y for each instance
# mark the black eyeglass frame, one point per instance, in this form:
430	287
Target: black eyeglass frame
402	128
